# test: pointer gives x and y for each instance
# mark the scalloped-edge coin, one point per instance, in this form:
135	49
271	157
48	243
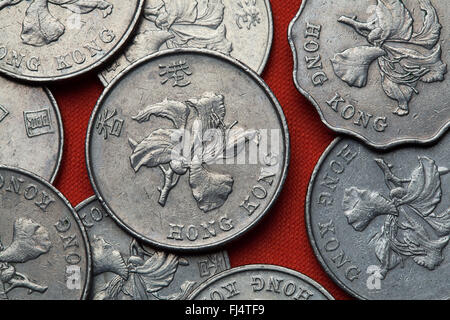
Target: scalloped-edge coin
260	282
241	29
49	40
31	129
376	70
44	251
379	222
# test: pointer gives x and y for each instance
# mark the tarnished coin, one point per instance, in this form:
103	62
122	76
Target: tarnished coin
187	149
123	268
31	129
380	222
43	250
242	29
260	282
48	40
376	70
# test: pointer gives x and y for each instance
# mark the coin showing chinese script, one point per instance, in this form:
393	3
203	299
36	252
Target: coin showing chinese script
31	129
44	253
376	70
242	29
187	149
125	269
48	40
260	282
380	222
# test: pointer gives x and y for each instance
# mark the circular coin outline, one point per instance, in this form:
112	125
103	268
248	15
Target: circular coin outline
283	126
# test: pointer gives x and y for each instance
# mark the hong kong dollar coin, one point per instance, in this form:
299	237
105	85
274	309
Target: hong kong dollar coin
48	40
260	282
376	70
187	149
242	29
123	268
44	253
31	129
379	222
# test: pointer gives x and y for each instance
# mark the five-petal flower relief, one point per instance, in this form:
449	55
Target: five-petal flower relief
412	227
40	27
405	57
198	139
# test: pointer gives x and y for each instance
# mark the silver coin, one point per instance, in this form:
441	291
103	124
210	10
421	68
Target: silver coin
30	128
260	282
187	149
48	40
240	28
126	269
375	70
380	222
43	250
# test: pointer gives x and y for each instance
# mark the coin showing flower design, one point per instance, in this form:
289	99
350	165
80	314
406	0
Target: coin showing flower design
44	253
242	29
380	222
260	282
377	70
30	128
125	269
187	149
48	40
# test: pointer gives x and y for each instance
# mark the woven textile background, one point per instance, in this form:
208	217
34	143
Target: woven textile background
281	237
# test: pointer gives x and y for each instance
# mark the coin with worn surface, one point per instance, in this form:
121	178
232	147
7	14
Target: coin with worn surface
380	222
43	250
376	70
187	149
242	29
31	129
123	268
260	282
48	40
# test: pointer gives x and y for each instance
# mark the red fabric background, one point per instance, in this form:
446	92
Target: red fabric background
281	237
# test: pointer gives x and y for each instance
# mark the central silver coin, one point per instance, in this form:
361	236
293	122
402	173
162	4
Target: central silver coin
187	149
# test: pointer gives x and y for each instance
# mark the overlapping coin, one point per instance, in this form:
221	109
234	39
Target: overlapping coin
47	40
187	149
375	70
241	29
125	269
260	282
43	250
380	222
31	129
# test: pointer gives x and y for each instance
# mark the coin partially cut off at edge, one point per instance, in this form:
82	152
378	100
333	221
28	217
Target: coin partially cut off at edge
260	282
44	250
31	129
242	30
379	222
187	149
123	268
381	79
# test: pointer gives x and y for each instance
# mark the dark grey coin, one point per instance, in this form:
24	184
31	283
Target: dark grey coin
125	269
260	282
242	29
31	129
380	222
44	253
376	70
187	149
48	40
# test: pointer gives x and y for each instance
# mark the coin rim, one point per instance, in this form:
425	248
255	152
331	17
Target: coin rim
275	105
264	267
382	146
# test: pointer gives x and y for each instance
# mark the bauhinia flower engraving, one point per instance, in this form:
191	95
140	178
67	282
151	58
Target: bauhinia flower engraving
405	57
412	227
